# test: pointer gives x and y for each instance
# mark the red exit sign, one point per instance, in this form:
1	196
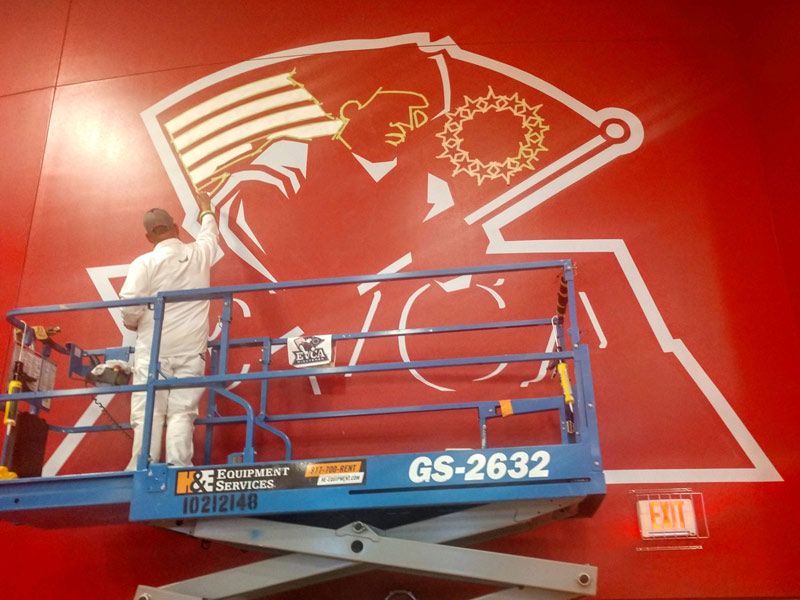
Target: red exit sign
666	518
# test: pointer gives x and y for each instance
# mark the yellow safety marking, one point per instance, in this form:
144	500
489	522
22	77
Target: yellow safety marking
14	387
565	384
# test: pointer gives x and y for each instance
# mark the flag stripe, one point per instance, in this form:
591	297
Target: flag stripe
239	113
206	169
228	98
306	131
249	130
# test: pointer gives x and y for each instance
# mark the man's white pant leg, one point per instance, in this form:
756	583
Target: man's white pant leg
182	410
138	401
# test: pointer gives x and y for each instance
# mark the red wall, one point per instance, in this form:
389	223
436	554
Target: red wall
706	208
773	52
30	48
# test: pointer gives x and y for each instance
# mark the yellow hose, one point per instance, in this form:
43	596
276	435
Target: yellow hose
10	416
565	384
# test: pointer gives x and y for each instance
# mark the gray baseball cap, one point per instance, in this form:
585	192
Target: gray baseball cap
157	217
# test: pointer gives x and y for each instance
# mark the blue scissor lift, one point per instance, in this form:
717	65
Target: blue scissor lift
340	516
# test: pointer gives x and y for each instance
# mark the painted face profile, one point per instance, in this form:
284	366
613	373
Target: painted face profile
395	113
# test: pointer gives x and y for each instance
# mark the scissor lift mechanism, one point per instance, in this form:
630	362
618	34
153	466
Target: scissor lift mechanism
518	487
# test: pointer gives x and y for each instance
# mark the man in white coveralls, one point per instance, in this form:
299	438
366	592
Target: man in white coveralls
171	265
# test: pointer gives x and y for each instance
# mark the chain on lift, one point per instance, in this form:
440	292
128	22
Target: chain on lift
110	416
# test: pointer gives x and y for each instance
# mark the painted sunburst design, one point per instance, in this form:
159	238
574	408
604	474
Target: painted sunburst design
531	142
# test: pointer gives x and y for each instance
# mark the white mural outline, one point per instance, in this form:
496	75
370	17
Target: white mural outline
543	365
439	196
455	284
620	133
601	336
101	278
373	307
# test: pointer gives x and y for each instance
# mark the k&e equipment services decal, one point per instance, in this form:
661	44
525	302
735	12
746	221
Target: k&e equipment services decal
276	476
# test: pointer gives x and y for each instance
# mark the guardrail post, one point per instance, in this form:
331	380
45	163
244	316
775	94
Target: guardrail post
152	375
211	408
224	339
266	356
574	332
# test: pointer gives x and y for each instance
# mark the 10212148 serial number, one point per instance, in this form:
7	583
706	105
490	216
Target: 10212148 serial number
219	503
479	467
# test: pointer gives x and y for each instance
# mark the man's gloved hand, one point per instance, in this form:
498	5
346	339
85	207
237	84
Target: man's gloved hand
203	201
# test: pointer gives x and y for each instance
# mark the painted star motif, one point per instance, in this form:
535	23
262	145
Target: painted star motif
531	144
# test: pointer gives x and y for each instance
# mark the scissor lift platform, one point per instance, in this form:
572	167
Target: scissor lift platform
213	501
